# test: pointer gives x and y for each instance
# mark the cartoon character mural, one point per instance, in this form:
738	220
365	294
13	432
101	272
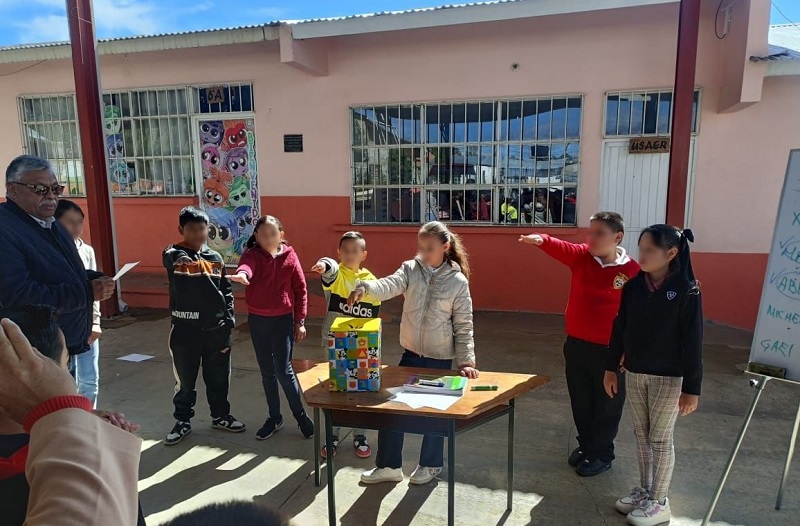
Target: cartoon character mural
236	161
122	176
235	135
112	120
211	156
115	146
227	229
230	195
211	132
240	193
216	188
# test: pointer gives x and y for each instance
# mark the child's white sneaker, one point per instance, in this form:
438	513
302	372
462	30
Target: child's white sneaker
651	513
379	475
633	500
423	475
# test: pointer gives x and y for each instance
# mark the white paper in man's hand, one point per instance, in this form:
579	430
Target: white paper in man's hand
124	270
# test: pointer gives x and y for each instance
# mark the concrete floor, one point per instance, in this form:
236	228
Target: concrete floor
216	466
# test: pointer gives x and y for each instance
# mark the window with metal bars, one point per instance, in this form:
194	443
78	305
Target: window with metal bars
508	162
148	135
50	130
643	113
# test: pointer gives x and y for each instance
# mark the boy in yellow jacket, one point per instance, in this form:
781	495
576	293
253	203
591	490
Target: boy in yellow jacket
338	281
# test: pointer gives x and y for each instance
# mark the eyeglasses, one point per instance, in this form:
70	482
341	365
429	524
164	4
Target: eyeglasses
43	189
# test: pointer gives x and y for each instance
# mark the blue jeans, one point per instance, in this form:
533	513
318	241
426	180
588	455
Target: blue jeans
390	443
273	341
85	369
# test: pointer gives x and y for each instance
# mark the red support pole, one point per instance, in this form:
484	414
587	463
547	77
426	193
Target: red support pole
682	102
90	120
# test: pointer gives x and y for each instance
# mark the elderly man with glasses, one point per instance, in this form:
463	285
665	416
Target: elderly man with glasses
39	263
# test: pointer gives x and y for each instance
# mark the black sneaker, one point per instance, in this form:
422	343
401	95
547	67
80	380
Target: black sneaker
324	451
270	427
592	467
180	430
577	456
228	423
305	424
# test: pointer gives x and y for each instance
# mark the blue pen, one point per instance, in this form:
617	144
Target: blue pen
431	383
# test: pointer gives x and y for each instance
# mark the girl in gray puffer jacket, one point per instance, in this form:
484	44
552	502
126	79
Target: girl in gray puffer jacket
435	329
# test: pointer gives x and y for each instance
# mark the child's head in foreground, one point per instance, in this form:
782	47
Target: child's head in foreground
352	249
606	230
267	234
438	244
193	226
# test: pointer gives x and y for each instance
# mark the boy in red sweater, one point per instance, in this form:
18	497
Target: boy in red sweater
600	268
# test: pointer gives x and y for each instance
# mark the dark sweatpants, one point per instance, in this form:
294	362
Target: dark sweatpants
390	443
191	348
596	415
273	340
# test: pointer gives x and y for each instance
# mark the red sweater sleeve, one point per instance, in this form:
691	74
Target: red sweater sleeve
247	263
52	405
563	251
300	290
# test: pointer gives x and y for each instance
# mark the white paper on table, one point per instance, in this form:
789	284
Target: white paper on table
124	270
135	357
418	400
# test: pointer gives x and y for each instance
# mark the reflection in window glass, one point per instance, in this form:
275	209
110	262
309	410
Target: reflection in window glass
574	118
488	123
612	110
500	162
559	121
664	113
637	113
545	119
643	113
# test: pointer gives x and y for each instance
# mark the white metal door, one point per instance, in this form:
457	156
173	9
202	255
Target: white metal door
635	185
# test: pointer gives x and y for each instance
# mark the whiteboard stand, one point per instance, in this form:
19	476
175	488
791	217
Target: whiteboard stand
777	329
789	456
759	382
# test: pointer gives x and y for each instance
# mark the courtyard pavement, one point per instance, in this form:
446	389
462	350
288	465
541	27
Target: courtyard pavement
214	466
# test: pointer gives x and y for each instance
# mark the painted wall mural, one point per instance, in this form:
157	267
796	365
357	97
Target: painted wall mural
121	173
229	193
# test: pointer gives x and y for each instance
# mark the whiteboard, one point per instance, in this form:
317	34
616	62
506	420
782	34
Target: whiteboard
776	341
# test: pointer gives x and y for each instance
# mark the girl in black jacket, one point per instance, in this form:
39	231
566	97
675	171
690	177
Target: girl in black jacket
658	337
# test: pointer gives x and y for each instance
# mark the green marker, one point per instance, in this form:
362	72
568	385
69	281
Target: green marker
484	388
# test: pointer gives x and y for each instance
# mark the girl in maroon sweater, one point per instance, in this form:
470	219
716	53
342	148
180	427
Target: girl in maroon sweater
276	303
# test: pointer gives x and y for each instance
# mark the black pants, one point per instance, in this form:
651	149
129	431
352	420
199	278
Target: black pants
390	443
190	348
273	341
596	415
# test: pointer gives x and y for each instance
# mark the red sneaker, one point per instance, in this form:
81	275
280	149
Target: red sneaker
361	446
324	451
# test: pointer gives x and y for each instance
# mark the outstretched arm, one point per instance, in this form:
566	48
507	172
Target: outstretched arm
382	289
558	249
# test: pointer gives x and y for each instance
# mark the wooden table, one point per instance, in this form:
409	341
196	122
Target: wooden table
375	411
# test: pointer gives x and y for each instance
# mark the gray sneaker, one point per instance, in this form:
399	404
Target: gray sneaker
180	430
635	499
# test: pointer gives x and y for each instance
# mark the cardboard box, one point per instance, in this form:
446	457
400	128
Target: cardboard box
354	347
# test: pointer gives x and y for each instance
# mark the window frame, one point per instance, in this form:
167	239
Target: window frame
499	185
137	158
650	91
27	147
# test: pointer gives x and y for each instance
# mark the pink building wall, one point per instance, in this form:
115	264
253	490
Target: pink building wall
740	162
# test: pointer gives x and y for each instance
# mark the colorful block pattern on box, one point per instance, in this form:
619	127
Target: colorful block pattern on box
354	347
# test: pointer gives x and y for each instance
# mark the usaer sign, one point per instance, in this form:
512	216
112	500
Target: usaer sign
649	145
